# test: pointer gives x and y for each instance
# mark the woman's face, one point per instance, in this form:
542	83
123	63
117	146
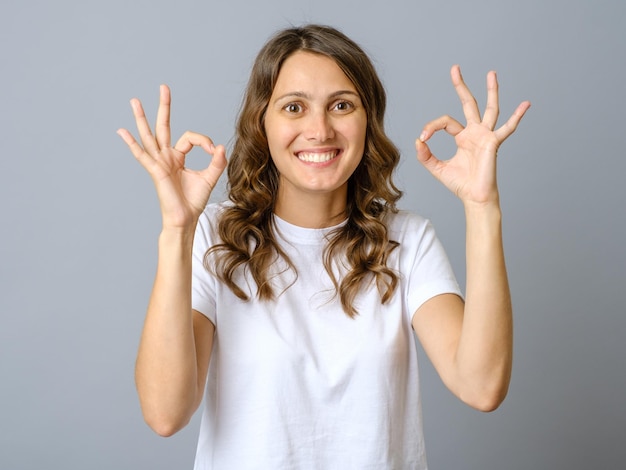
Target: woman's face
315	125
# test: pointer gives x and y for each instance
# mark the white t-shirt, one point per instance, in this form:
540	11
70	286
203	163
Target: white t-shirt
295	383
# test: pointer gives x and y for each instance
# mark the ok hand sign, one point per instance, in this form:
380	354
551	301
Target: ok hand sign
471	172
183	193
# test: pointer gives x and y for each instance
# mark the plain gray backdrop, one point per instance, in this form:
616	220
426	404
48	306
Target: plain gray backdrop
79	216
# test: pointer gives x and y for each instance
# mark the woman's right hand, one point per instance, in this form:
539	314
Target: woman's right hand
183	193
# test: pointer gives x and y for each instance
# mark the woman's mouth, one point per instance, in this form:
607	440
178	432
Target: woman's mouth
317	157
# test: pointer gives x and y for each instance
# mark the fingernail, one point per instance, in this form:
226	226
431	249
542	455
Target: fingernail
423	136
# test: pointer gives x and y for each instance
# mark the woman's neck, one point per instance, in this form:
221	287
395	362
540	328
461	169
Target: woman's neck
311	210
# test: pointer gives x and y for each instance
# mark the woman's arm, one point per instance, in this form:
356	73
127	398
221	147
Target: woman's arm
176	342
470	344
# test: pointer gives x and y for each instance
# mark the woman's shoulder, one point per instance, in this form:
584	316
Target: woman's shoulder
209	219
404	220
213	209
212	212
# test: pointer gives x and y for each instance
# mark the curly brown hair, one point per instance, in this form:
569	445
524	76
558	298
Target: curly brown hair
246	227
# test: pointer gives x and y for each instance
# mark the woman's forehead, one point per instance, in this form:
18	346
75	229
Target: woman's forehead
307	73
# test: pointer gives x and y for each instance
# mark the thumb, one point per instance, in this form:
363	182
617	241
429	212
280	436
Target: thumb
425	156
217	166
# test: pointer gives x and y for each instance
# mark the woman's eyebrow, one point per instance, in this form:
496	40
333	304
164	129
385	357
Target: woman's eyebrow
344	92
302	94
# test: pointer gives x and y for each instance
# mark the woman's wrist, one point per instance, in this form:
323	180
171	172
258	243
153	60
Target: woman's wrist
490	210
176	236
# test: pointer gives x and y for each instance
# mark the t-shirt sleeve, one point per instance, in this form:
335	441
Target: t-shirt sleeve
203	283
425	263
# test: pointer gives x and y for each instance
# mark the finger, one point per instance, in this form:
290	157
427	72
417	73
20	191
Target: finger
509	127
163	135
490	117
445	123
470	107
145	134
218	163
136	149
190	140
426	158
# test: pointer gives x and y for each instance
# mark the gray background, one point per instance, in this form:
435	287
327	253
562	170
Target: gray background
79	218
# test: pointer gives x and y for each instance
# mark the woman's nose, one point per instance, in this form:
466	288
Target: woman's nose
319	127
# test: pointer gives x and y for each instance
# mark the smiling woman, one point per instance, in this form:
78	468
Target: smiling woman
315	126
255	181
292	308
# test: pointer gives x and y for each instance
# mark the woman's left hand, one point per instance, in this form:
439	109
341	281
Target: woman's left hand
471	172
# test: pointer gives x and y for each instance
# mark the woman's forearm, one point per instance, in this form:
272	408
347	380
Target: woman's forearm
166	368
484	354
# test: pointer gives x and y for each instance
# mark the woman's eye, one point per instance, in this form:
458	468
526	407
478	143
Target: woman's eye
293	108
343	106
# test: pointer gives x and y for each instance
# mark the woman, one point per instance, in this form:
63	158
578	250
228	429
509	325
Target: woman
295	302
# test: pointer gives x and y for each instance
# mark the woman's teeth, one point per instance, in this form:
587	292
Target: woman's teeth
317	157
